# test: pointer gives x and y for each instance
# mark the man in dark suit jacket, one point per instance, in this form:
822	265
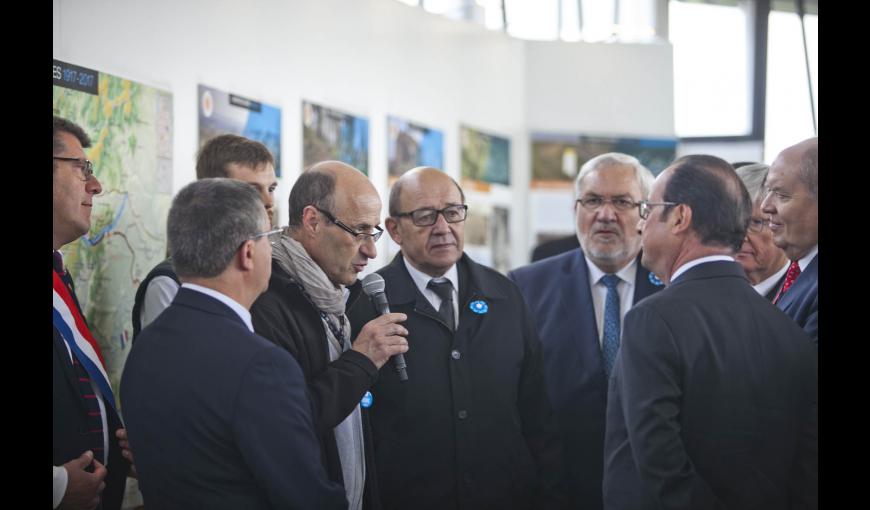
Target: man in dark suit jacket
84	421
568	300
712	402
793	205
219	415
471	427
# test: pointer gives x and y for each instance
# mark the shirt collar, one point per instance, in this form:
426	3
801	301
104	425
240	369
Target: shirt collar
806	259
764	286
240	310
421	279
692	263
626	274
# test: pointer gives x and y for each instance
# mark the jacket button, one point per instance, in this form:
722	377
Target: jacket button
463	414
455	354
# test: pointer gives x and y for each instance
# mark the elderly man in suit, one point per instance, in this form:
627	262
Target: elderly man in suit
792	201
579	299
712	401
471	427
219	415
765	263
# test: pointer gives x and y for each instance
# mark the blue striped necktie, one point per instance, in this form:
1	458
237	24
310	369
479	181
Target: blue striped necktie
610	342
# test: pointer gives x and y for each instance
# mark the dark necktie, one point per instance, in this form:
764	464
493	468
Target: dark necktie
445	292
610	342
794	270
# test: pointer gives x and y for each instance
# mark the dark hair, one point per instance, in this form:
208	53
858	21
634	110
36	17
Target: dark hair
218	152
208	221
313	187
396	196
720	204
62	125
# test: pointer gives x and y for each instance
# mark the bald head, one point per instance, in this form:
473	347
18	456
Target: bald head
417	177
804	159
431	248
320	185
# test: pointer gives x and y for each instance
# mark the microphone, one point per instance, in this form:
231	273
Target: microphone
373	285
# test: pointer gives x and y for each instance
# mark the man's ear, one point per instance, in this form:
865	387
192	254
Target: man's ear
681	219
310	220
245	256
393	229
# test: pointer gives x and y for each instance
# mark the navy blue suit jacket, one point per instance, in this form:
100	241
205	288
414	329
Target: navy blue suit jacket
801	301
712	401
219	417
557	292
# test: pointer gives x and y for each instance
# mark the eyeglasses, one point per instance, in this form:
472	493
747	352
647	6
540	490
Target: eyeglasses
757	224
360	236
427	216
273	235
644	207
85	165
620	204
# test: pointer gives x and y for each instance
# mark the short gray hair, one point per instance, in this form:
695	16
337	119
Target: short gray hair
644	177
208	221
753	176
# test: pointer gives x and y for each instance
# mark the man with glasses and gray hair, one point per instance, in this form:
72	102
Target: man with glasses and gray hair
334	215
471	427
765	264
580	299
219	415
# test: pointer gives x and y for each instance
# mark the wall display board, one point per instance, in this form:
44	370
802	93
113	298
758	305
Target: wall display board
410	145
130	126
556	159
330	134
487	235
485	159
223	113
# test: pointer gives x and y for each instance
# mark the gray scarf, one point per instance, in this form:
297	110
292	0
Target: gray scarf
329	300
323	294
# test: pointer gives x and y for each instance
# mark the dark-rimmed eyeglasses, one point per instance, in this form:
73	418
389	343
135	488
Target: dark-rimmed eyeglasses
360	236
619	203
273	235
757	225
644	207
85	165
427	216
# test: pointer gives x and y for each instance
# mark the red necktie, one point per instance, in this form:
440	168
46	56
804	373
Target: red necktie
794	270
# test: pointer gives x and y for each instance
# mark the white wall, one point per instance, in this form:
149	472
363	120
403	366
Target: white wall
371	58
593	89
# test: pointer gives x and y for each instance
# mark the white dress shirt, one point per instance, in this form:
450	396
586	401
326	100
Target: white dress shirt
421	280
764	286
240	310
697	262
625	288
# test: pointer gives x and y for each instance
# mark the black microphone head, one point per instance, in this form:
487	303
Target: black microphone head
373	284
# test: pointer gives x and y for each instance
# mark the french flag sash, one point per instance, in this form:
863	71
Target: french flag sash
78	337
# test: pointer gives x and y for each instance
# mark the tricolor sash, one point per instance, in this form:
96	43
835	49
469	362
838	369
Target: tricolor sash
71	325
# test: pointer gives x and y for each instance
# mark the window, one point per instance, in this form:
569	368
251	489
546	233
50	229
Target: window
712	68
789	117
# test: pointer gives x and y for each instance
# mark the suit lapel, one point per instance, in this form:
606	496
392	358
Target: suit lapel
580	320
69	374
643	283
805	280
